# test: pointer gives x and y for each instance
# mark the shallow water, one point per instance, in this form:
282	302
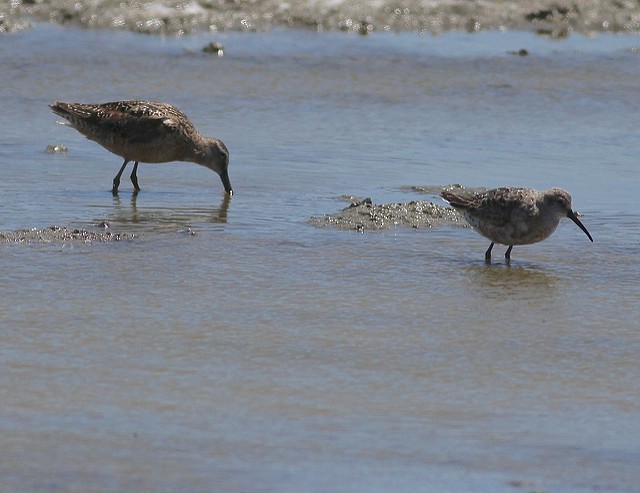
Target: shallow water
232	346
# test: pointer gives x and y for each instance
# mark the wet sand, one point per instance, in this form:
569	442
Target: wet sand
61	234
554	18
364	215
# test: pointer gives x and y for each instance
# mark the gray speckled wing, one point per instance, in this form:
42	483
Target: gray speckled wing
501	206
504	215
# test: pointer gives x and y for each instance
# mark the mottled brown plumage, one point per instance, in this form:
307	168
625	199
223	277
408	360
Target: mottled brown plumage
147	132
514	216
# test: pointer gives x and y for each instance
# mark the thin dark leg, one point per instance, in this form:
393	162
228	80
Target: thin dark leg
116	180
134	176
507	254
487	254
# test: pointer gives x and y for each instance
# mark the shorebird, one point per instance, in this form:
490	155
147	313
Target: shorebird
514	216
146	132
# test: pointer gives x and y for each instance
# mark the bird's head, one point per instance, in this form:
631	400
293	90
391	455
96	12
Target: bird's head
215	156
559	201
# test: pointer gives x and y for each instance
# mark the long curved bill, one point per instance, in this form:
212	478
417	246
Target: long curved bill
224	176
571	215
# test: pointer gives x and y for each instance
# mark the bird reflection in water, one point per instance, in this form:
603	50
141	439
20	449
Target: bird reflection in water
150	219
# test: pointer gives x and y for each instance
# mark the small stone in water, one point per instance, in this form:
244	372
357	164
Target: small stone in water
56	149
214	49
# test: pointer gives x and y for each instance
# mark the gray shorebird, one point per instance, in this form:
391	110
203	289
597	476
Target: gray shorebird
146	132
514	216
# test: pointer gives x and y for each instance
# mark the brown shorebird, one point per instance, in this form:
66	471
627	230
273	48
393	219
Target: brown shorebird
146	132
514	216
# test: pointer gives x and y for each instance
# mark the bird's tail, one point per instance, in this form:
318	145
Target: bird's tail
74	113
456	200
70	110
60	108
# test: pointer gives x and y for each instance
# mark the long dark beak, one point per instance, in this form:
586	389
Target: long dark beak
571	215
224	176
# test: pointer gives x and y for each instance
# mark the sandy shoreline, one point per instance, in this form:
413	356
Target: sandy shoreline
547	17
